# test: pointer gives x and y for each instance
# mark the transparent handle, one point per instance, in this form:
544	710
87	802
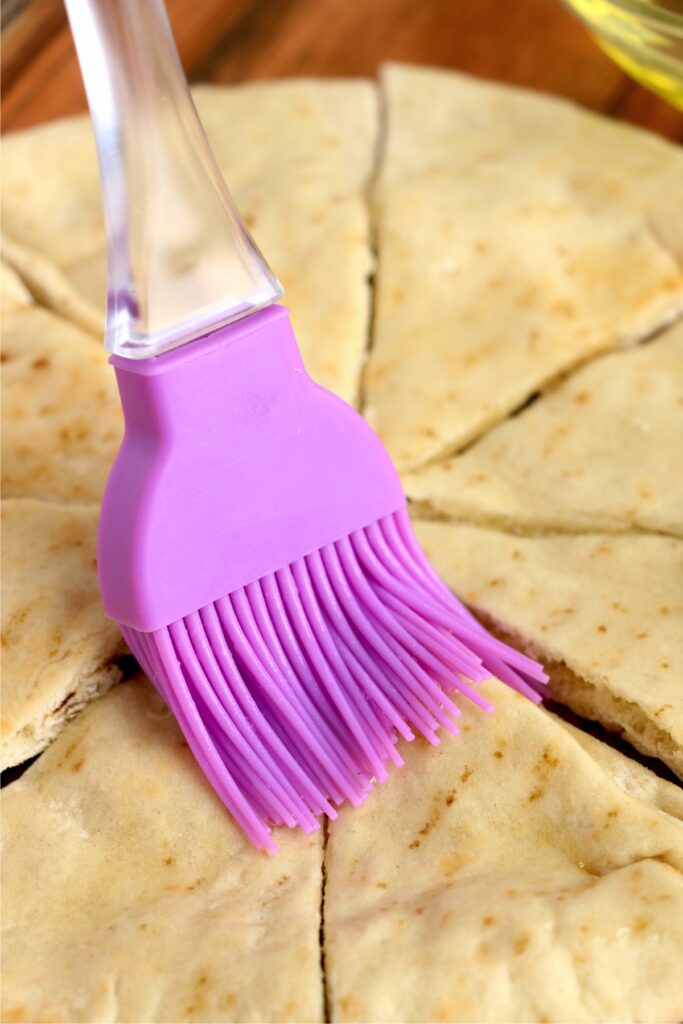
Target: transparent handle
180	260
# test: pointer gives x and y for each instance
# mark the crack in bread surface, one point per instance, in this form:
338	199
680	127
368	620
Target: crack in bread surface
594	702
424	509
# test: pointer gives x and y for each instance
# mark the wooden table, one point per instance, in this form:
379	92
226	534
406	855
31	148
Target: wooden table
536	43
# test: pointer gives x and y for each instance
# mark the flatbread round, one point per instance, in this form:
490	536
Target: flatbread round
522	872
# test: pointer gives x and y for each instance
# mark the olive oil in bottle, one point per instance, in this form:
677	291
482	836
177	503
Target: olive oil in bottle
644	37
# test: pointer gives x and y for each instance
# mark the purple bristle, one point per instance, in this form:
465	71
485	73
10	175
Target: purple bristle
292	691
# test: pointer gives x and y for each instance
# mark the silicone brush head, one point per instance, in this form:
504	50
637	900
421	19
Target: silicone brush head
255	547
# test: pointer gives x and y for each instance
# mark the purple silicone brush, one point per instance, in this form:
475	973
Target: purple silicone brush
254	540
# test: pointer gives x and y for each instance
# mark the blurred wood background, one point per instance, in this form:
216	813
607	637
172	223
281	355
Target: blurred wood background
536	43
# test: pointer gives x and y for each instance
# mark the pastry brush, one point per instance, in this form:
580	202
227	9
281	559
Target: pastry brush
254	542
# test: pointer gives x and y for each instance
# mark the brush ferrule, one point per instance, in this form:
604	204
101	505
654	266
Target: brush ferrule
234	463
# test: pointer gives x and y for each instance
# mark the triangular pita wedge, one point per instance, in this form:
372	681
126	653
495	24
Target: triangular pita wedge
603	612
58	649
297	156
601	451
61	416
130	895
14	294
504	876
510	250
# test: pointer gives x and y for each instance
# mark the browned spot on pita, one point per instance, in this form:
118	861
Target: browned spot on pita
194	885
70	749
601	549
535	794
15	1014
349	1005
453	863
414	845
525	299
563	308
465	775
549	759
521	943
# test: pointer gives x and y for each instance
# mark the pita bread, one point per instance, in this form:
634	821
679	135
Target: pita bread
51	286
603	612
130	895
632	776
511	249
297	156
601	451
515	880
13	293
58	650
61	416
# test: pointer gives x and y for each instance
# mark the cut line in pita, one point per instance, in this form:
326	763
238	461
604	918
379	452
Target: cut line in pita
602	451
130	895
61	414
506	875
58	649
604	613
297	156
511	249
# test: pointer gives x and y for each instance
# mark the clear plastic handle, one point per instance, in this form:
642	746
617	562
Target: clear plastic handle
180	260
